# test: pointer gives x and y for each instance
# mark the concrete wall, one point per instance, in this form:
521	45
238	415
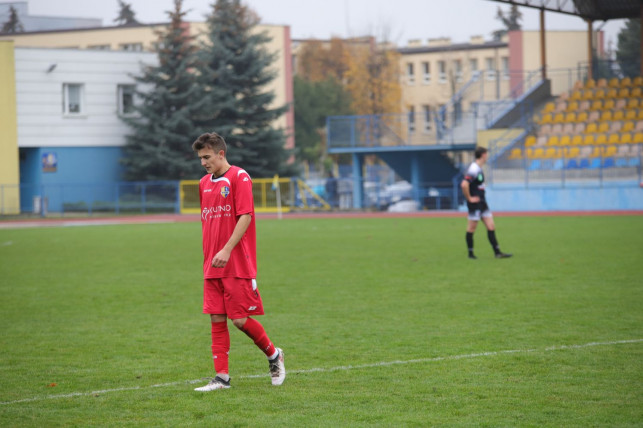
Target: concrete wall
9	173
627	196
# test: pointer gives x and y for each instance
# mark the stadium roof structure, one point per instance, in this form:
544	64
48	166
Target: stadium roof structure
589	10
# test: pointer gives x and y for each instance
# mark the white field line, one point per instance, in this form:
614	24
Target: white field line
334	369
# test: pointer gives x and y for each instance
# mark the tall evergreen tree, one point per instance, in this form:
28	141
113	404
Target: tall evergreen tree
13	25
237	64
511	21
628	51
164	123
126	15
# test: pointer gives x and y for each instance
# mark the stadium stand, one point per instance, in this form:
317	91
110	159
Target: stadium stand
597	124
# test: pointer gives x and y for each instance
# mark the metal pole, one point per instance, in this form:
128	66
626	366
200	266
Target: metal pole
543	50
590	72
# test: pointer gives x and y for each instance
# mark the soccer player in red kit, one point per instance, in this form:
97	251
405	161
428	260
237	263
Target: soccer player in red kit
230	260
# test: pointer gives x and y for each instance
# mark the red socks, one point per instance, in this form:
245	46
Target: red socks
255	331
220	346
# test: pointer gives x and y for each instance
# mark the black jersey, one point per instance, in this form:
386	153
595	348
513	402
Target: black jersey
475	177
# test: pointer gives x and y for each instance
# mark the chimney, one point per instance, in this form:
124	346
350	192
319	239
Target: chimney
477	40
442	41
414	43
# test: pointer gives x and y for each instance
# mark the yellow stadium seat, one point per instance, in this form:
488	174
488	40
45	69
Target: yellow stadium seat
626	138
638	138
630	114
609	151
597	105
551	153
570	117
609	104
587	94
515	154
572	106
588	139
530	141
606	115
547	118
602	83
633	103
539	153
549	107
553	140
565	140
603	127
618	115
529	153
581	117
639	115
612	93
576	95
614	83
624	92
577	140
638	81
597	152
599	93
559	118
591	128
613	138
636	92
601	139
590	84
572	152
626	82
627	126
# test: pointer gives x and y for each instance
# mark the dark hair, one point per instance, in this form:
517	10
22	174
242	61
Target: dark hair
479	152
212	140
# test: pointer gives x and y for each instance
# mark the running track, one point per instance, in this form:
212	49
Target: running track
180	218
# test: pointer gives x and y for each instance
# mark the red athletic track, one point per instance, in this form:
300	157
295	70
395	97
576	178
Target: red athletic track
177	218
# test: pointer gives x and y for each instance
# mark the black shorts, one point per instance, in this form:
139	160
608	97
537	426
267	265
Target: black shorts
478	209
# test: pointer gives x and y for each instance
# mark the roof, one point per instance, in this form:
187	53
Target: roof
452	47
593	10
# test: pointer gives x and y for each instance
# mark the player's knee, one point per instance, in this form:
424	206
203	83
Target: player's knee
217	318
239	322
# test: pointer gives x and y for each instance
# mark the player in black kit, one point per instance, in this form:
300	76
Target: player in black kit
473	189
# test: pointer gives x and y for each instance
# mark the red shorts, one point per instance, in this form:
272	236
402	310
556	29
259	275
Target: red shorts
233	297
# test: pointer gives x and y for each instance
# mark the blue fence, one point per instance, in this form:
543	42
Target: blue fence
90	198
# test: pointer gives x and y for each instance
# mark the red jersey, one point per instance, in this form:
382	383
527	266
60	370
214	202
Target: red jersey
223	200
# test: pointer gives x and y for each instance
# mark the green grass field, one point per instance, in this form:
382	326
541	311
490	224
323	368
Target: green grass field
384	322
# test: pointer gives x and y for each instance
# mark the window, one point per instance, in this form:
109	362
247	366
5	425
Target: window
126	99
490	69
100	47
410	73
457	66
426	71
427	118
132	47
73	98
505	67
473	66
411	119
442	71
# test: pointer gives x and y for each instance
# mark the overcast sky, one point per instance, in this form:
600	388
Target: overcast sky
397	20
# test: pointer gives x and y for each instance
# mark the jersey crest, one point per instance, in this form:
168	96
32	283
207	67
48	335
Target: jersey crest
225	191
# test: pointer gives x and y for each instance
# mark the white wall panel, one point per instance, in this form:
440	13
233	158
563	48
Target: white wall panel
39	95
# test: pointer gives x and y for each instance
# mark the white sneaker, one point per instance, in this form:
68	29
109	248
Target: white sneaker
278	369
216	383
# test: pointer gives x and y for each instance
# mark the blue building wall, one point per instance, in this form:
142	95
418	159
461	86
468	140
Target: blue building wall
612	196
80	174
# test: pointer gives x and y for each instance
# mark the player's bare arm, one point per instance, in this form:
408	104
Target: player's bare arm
221	258
467	194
